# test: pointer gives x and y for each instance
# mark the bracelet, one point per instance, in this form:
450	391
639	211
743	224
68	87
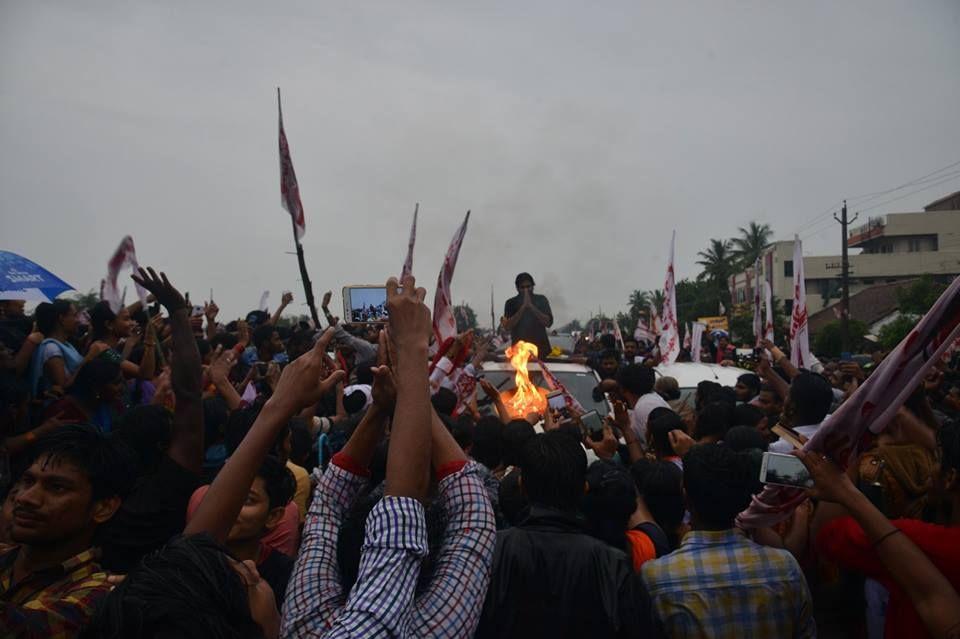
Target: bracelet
879	541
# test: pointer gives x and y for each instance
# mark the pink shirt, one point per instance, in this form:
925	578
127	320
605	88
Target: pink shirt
284	538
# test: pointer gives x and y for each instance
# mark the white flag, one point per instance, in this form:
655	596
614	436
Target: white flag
263	301
125	255
768	302
670	335
696	341
408	263
757	320
289	189
618	335
799	330
444	324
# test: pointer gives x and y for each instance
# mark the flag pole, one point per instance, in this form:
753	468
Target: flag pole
307	285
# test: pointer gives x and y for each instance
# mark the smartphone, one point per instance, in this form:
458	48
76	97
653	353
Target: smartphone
556	401
784	470
593	424
365	304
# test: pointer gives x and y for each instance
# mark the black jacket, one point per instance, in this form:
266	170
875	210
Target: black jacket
551	579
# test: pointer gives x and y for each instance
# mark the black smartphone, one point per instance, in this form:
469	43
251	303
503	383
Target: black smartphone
593	424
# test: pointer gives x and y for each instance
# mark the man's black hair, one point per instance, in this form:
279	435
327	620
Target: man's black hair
609	354
48	314
224	339
147	431
751	381
462	430
715	419
637	379
355	401
747	415
513	503
262	335
660	428
108	465
767	387
608	342
660	483
554	469
239	424
93	375
523	277
705	392
718	483
609	502
364	374
203	346
161	597
811	396
488	442
278	481
741	438
444	401
301	443
516	434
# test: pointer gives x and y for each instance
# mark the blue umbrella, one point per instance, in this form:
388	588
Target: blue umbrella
21	279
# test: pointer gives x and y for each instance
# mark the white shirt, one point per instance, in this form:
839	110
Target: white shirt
641	413
785	447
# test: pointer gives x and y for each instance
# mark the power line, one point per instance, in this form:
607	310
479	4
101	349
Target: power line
944	179
905	184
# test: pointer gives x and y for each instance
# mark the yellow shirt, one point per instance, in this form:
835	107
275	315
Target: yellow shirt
302	477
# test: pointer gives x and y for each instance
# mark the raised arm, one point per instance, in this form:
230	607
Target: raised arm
303	382
221	365
210	311
284	303
932	595
186	441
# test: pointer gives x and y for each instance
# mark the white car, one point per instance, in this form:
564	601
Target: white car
579	380
689	374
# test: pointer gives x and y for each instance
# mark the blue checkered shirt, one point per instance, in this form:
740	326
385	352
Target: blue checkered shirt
384	602
719	584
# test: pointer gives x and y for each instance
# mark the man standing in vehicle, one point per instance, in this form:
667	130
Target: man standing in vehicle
528	316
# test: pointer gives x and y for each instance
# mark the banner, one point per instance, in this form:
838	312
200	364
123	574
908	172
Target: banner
444	324
696	341
556	384
408	263
717	323
852	428
799	330
643	333
125	255
768	302
670	335
289	189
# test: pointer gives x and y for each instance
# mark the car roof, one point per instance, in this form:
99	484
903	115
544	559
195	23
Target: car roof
689	374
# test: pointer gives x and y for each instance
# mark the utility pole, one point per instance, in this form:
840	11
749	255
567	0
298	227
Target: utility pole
845	279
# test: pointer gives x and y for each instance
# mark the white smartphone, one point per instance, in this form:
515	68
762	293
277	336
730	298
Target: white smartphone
784	470
365	304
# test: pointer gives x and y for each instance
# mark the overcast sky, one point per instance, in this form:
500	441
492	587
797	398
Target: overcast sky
580	135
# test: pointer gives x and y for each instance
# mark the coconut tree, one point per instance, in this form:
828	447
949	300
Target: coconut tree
718	264
752	242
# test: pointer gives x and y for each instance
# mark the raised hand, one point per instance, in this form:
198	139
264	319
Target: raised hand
830	483
488	389
325	302
384	389
287	298
161	288
221	364
210	310
304	381
606	448
409	318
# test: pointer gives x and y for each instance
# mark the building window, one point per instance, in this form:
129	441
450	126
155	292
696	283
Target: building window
788	268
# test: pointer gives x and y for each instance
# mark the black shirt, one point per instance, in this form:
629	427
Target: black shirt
276	569
154	512
528	328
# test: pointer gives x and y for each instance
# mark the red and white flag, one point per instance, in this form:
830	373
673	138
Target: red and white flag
655	327
408	263
697	341
556	384
125	255
670	333
444	323
851	429
799	330
618	335
757	319
768	302
643	333
289	189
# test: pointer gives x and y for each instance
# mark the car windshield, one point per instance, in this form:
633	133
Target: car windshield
580	384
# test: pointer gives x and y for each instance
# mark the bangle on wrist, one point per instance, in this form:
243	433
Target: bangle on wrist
884	537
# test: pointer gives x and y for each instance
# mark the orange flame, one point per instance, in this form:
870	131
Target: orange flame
528	397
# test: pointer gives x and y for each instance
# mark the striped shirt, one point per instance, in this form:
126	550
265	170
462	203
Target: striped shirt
719	584
384	601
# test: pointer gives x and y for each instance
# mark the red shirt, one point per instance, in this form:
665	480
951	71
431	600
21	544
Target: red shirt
844	542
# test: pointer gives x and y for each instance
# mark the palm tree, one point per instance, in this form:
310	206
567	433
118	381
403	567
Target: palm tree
639	300
752	242
718	264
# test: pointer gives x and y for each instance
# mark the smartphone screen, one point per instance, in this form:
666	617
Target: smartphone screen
365	304
784	470
555	400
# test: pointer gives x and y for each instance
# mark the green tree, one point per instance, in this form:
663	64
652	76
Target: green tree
466	318
892	333
828	342
752	242
718	264
85	301
695	299
917	298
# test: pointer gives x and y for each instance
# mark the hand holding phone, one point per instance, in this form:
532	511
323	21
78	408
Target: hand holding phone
593	424
784	470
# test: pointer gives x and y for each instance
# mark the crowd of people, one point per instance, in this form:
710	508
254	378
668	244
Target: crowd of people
165	474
